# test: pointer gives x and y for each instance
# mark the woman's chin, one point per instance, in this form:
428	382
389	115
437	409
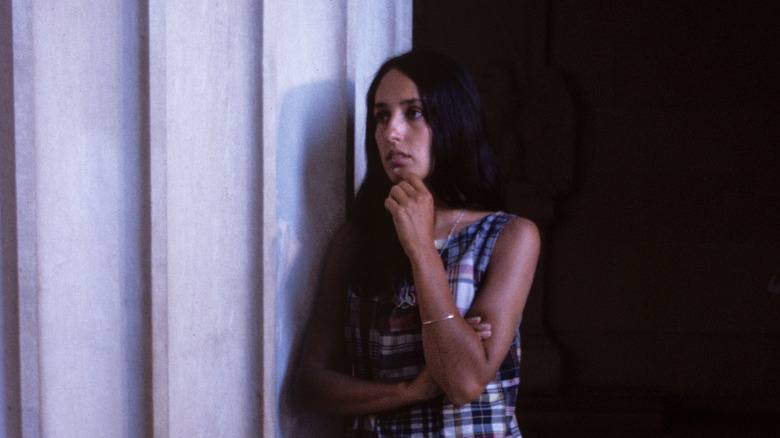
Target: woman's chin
394	174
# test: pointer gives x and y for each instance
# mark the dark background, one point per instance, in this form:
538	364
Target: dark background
643	137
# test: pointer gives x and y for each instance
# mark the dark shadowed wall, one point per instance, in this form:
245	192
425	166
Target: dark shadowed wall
644	136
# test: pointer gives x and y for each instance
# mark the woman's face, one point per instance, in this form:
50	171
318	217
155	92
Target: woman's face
402	135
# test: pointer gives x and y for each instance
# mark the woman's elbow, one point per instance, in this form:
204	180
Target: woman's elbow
465	392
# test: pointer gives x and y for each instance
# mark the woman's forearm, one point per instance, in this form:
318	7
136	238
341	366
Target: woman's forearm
453	351
333	392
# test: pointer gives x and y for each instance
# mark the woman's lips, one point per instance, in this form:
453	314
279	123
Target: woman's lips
397	158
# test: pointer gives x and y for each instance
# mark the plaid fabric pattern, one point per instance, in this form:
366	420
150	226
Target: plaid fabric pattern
384	341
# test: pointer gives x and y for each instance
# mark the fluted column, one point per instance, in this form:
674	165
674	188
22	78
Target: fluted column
171	174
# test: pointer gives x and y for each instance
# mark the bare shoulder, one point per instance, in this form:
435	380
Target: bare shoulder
519	238
520	228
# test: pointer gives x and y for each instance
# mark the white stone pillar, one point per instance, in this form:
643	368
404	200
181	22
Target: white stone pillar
319	58
176	172
206	216
79	218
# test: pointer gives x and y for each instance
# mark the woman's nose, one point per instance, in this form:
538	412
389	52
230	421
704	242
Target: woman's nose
395	127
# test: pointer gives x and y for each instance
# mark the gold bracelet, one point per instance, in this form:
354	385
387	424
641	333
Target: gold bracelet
450	316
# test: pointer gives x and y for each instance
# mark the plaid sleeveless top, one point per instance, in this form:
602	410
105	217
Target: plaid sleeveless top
384	342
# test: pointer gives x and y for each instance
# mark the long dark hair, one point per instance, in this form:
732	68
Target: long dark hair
464	175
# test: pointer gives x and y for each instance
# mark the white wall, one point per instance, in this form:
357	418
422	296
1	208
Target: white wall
79	210
174	174
211	181
306	81
317	85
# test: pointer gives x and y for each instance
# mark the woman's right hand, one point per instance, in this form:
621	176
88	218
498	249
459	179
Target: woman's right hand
411	205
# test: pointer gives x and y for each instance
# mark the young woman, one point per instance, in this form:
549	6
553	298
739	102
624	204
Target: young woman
416	329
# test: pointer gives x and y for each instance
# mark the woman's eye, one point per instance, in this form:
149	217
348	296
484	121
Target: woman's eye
413	113
381	116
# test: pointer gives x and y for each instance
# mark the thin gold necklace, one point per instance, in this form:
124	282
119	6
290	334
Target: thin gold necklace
452	230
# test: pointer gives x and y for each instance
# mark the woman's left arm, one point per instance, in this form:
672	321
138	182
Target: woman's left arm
460	362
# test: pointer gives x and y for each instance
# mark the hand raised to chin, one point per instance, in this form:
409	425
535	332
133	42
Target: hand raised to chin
411	205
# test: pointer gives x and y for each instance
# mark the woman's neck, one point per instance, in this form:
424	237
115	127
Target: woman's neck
446	221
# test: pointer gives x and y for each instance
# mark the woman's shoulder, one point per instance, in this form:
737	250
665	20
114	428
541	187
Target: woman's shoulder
499	219
519	234
507	227
473	217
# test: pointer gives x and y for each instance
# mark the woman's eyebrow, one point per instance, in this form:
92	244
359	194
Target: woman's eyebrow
410	101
